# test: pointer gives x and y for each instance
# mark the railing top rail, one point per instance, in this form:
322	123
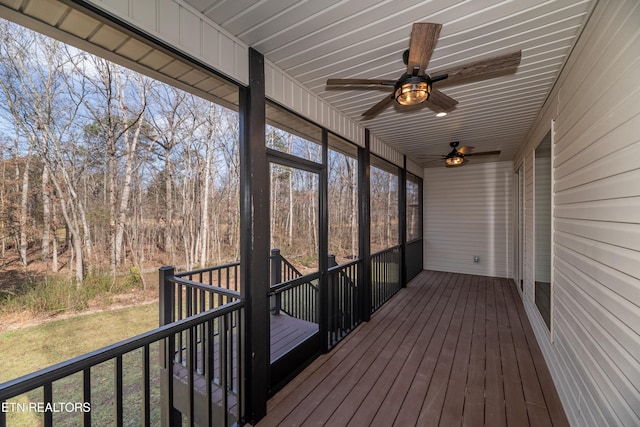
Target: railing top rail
291	266
389	249
346	265
208	269
281	287
53	373
208	288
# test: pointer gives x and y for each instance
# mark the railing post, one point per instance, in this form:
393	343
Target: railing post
169	415
332	260
276	266
276	277
333	306
165	289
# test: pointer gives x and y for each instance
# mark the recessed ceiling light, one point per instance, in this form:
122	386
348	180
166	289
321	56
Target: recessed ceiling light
441	114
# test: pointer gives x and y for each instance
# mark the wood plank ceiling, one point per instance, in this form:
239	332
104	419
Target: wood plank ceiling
316	40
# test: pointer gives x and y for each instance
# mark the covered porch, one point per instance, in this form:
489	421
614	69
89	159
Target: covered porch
449	349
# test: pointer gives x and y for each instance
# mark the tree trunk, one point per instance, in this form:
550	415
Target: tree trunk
24	211
54	252
354	210
387	234
290	217
46	214
168	185
204	244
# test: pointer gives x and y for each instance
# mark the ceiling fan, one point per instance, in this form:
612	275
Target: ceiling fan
416	86
457	156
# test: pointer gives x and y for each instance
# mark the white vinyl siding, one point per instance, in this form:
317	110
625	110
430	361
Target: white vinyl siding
594	357
468	212
285	90
414	168
383	150
185	29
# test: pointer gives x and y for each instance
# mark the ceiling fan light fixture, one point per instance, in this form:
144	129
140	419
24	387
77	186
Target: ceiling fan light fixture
454	160
412	91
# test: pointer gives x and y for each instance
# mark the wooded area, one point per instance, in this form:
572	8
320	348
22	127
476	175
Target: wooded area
108	166
102	168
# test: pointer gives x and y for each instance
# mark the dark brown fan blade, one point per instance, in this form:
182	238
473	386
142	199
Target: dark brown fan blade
343	82
373	111
423	40
497	64
465	149
483	153
441	100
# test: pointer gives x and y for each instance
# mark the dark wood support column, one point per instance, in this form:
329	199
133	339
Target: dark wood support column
421	219
254	241
323	262
364	221
402	220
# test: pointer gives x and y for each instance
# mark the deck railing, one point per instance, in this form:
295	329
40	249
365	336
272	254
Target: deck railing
385	275
189	297
181	298
226	276
123	381
199	342
281	269
345	311
290	291
297	298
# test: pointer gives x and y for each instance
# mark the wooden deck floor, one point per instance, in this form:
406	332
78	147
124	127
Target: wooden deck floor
287	332
448	350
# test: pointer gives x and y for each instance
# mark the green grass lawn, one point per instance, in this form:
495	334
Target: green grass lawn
33	348
30	349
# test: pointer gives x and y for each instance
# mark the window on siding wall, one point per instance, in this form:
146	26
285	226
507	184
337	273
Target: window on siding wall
413	208
384	204
542	215
342	174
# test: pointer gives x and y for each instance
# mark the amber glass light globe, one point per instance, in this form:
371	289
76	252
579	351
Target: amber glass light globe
412	93
454	161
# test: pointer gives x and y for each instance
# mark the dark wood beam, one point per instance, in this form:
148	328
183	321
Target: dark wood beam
402	219
254	240
364	223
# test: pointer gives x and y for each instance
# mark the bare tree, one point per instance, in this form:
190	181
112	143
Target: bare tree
97	149
33	68
169	118
117	104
